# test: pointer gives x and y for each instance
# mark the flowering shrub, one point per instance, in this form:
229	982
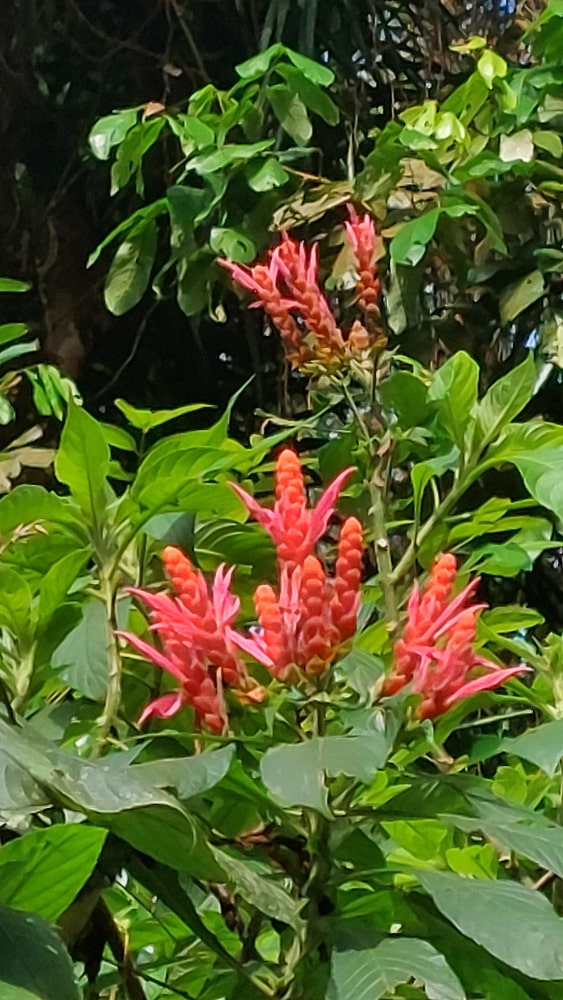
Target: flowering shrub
344	780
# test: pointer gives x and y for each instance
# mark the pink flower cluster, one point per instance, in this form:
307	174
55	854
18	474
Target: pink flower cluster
436	656
288	290
301	626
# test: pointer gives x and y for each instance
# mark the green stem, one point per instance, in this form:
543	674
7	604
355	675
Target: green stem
112	702
382	551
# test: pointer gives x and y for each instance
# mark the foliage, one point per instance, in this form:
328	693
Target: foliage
326	835
323	791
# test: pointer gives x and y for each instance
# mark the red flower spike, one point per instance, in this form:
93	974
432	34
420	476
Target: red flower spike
301	278
271	622
200	645
361	233
436	655
318	637
261	279
294	528
348	574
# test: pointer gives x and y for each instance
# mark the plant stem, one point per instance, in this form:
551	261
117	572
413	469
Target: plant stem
106	720
382	551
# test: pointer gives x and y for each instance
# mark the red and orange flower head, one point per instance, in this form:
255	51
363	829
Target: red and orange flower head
294	527
201	649
361	234
436	655
312	615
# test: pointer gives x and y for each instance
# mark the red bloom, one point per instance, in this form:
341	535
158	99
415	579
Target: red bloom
294	527
361	233
201	648
436	655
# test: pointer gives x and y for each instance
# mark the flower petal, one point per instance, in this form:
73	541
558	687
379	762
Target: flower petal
485	683
163	708
322	513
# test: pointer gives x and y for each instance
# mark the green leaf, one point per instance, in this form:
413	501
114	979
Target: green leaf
505	399
501	916
7	412
266	175
259	64
81	658
550	141
15	602
132	222
454	388
189	776
130	270
110	131
295	774
371	973
27	866
290	112
146	817
312	96
56	583
315	72
264	894
13	285
517	297
409	245
18	351
542	746
33	957
233	244
147	420
491	67
227	155
12	331
82	462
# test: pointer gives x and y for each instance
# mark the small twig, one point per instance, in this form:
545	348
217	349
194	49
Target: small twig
543	880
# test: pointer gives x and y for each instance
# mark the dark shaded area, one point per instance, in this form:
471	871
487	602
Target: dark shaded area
63	63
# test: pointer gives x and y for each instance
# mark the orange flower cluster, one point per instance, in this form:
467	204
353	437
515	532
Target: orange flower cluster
436	655
312	615
287	288
303	625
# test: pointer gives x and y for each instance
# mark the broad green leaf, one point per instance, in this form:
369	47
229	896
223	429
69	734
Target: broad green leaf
18	351
406	395
147	420
27	505
265	894
506	398
550	141
130	152
7	412
290	112
227	155
110	131
146	817
132	222
19	793
314	71
15	602
310	93
371	973
82	462
501	916
543	746
542	473
189	776
28	864
233	244
56	583
259	64
520	295
12	331
266	175
491	67
294	774
81	658
454	389
33	958
13	285
118	437
409	245
130	270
